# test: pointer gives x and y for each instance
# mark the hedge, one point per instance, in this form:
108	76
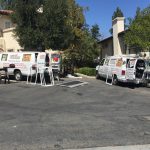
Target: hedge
86	71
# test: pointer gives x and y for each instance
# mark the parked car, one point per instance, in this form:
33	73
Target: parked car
114	67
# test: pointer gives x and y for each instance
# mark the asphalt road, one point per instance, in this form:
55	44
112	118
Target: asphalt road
55	118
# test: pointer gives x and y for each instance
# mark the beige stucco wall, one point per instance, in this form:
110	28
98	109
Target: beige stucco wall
7	39
122	44
10	40
3	20
106	48
2	44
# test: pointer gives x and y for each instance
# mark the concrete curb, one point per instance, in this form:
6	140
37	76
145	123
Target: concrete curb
85	76
130	147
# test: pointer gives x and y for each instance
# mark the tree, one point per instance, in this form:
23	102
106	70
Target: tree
117	13
138	12
6	4
57	32
138	35
85	51
89	49
27	19
95	32
61	25
84	46
44	30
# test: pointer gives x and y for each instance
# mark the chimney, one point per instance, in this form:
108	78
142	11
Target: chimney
118	26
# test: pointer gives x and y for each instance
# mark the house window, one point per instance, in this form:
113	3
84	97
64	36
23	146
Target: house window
8	24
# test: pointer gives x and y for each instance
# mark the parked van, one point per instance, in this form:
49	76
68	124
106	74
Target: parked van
23	63
114	67
135	70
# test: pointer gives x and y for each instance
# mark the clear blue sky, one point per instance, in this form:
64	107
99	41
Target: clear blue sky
101	11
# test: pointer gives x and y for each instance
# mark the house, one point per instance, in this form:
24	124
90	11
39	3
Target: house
115	44
8	41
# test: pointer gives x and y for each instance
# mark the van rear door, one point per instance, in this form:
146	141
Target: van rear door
55	61
140	67
131	71
41	58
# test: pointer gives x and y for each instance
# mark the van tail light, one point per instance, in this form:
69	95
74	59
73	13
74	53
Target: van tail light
123	72
55	59
34	67
12	66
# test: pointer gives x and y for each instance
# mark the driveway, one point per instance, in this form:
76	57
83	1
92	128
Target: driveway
55	118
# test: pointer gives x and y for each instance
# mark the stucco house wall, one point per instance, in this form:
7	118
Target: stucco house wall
107	48
115	44
8	42
5	22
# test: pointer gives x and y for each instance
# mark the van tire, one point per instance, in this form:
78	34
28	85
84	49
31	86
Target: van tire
97	76
115	80
148	85
18	75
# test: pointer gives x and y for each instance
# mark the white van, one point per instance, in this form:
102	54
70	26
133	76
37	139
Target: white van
135	70
114	67
23	63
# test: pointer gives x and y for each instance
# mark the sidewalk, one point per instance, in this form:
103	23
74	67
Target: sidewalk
131	147
85	76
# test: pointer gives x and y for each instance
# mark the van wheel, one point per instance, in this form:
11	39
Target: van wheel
147	84
115	80
97	76
18	76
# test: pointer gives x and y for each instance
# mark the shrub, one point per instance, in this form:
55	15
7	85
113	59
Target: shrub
86	71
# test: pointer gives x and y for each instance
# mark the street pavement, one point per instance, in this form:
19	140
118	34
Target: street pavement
92	116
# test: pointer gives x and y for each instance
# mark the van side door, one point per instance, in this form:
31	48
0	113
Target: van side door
41	58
